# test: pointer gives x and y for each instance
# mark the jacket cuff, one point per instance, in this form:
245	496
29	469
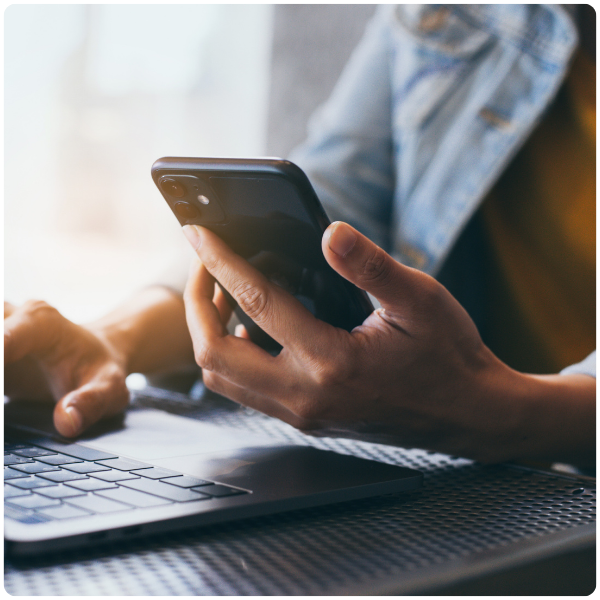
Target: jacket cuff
585	367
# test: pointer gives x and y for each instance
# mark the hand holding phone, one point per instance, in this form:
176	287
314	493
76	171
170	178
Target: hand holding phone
268	213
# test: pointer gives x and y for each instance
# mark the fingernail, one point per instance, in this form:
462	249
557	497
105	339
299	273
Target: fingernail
75	418
192	233
342	239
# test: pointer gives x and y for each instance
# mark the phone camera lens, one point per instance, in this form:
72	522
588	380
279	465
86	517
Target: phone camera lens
172	188
185	210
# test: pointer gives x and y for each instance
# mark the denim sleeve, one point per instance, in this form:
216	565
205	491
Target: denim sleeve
586	367
348	152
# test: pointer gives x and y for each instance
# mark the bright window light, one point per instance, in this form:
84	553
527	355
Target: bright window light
94	94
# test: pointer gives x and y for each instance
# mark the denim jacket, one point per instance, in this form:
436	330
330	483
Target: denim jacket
433	104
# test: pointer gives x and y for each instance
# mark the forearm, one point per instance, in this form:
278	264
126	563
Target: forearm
148	333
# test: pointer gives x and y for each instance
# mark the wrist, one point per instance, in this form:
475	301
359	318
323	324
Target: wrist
546	417
118	340
565	423
124	331
148	333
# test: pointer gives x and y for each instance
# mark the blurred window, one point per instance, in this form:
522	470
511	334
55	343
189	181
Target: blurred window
93	95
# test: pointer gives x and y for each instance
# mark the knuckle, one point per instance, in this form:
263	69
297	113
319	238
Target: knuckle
377	267
204	356
432	292
332	373
252	299
40	309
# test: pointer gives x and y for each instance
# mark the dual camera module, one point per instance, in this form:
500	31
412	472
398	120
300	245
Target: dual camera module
190	199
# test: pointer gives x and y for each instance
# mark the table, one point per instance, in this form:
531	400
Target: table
471	529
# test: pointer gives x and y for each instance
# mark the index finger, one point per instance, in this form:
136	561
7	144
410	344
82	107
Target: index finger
236	359
273	309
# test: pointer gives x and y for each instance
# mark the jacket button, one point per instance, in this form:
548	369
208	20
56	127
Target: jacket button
494	119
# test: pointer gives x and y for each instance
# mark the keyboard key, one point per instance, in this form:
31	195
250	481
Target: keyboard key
24	516
63	512
35	467
12	459
85	467
58	459
75	450
32	452
155	473
133	497
32	501
9	446
61	476
124	464
90	485
114	475
220	491
12	474
31	482
185	481
11	491
96	504
59	491
164	490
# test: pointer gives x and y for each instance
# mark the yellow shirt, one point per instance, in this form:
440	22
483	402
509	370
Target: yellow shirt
541	223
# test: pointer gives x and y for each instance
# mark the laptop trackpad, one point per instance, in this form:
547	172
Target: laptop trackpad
294	471
149	435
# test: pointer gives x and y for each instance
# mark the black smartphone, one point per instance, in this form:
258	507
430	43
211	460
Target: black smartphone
267	212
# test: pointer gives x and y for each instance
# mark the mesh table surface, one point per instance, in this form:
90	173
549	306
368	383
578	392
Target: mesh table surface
463	510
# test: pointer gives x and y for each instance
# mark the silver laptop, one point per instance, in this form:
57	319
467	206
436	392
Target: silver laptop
153	472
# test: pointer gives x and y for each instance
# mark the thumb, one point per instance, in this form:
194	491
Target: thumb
359	260
101	397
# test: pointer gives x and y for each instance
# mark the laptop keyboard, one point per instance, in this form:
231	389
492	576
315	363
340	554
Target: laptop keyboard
50	481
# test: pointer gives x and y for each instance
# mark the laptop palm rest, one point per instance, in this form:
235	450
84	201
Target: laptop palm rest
237	457
270	475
